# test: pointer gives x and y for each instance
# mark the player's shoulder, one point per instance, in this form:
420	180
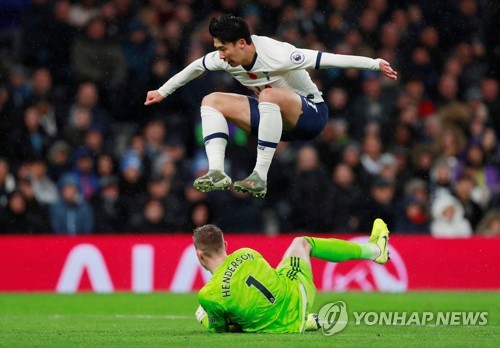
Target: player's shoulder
246	253
268	43
211	61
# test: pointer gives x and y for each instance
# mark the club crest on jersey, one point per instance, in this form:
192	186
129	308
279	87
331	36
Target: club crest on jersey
297	57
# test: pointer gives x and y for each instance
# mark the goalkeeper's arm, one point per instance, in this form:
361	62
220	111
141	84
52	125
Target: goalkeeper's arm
202	317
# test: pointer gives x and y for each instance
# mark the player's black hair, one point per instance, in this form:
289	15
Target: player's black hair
229	28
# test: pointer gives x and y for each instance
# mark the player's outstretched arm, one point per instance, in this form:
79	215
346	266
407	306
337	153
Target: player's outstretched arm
153	97
387	70
325	60
187	74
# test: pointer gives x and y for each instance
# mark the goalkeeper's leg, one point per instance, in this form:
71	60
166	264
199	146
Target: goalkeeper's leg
338	250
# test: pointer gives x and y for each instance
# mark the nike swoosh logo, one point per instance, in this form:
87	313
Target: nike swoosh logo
385	244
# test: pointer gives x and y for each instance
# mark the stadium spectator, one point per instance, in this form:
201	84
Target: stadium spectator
176	208
331	142
71	214
463	190
381	201
351	155
412	217
88	98
45	100
83	170
44	188
490	146
36	19
491	96
448	218
58	159
105	165
37	214
422	158
13	218
99	59
389	170
310	199
441	178
200	214
151	219
60	36
372	150
489	224
30	140
111	214
138	50
132	181
372	108
485	175
7	182
82	12
346	196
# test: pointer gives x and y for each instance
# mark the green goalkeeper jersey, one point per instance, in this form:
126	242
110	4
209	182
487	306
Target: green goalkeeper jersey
247	292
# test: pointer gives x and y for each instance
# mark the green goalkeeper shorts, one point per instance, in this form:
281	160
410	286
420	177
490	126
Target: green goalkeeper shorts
297	269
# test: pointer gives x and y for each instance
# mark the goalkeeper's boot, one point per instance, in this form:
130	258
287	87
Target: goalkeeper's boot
253	185
213	180
312	322
380	236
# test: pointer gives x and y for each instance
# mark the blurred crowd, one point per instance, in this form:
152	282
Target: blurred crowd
80	153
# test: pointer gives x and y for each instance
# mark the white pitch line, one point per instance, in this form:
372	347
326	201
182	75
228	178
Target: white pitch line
147	316
125	316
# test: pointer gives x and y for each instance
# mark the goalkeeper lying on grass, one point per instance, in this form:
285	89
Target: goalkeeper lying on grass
246	294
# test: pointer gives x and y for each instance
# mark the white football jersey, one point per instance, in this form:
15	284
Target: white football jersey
276	65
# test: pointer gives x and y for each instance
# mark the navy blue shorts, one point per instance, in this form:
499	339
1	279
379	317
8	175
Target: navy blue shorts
310	124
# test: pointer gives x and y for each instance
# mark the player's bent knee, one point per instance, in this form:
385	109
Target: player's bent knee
299	248
269	95
301	242
213	100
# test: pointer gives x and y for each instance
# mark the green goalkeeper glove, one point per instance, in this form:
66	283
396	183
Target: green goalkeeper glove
202	316
312	323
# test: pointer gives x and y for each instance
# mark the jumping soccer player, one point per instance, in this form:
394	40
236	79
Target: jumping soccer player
289	105
246	294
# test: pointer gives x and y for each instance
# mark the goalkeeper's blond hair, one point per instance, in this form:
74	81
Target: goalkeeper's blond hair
209	239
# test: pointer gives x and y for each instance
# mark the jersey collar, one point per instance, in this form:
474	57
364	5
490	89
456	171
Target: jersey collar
250	66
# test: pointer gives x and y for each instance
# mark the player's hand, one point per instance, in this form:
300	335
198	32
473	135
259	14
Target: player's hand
387	70
200	314
153	97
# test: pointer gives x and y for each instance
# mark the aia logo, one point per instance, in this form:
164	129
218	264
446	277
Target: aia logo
297	57
252	75
367	275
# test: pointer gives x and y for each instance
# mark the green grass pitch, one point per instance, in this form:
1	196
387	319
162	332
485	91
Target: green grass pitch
167	320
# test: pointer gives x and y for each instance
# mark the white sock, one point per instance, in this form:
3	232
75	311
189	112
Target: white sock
270	127
370	251
215	136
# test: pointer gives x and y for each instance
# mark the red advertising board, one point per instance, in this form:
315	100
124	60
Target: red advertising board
168	263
